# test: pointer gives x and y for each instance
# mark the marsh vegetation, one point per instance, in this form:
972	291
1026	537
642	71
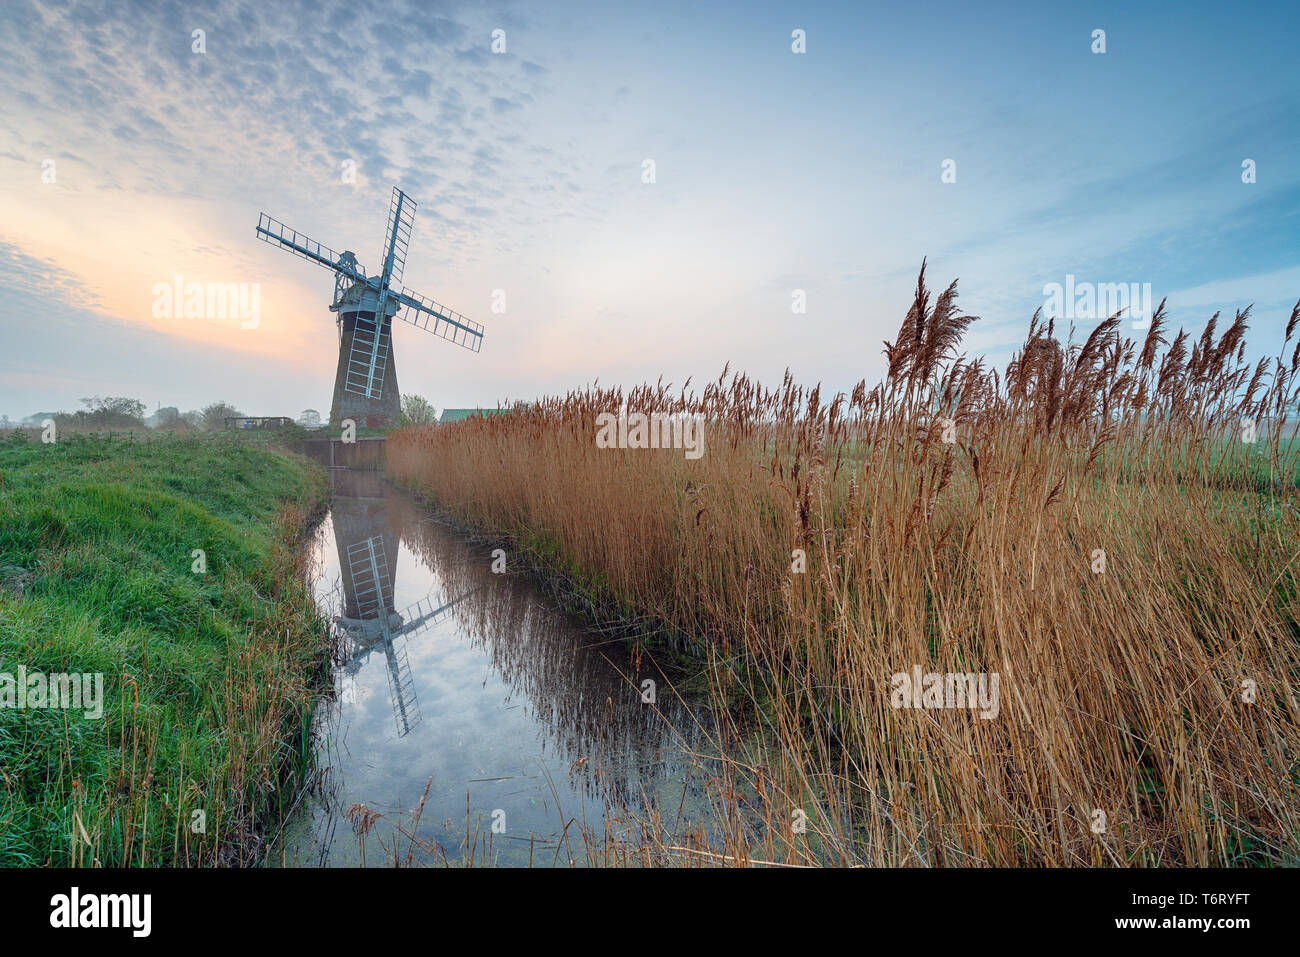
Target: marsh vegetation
1107	523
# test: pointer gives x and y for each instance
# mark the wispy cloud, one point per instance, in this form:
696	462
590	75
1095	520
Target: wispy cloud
774	171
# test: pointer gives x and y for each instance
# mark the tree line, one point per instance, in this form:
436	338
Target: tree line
123	412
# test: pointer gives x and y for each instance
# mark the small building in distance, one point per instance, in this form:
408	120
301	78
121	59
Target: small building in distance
459	415
310	419
258	422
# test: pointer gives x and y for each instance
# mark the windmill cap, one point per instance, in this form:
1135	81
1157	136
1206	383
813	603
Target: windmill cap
363	298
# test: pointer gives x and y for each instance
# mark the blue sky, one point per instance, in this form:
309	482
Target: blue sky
775	171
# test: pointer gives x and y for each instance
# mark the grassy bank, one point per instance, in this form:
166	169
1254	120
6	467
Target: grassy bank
206	674
1087	524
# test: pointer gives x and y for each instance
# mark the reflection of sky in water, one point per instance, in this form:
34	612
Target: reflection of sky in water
504	696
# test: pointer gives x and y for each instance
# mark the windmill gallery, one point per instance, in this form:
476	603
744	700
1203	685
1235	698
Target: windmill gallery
365	383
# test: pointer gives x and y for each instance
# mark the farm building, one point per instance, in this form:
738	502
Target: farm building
458	415
258	422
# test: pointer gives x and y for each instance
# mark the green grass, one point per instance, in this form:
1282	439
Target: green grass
207	677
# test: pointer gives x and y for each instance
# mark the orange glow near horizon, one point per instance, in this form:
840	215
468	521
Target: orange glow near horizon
110	241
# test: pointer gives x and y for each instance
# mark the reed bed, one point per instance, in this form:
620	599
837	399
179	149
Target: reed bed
1107	525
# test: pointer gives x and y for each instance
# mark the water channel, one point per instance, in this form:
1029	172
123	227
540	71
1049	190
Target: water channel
526	728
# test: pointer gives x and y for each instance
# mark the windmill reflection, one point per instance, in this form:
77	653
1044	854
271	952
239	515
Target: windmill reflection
369	622
366	620
586	693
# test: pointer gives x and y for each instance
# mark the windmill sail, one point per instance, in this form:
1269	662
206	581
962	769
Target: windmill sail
401	221
368	357
401	688
278	234
441	321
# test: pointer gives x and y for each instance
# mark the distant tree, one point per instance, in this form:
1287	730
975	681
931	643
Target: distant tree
173	420
309	418
417	410
168	417
110	412
214	416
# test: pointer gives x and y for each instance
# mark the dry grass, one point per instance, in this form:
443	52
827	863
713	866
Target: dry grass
1120	690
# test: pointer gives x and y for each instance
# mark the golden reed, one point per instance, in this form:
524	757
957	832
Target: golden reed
1108	526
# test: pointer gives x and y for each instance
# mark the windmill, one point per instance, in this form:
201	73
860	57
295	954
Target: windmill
365	385
367	621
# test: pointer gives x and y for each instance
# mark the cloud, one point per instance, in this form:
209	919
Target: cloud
21	271
1280	286
526	165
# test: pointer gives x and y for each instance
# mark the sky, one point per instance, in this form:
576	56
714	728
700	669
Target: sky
133	151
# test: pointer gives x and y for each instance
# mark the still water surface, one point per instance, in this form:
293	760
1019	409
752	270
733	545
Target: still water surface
450	673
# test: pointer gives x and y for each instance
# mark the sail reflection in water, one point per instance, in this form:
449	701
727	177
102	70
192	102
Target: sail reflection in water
519	715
